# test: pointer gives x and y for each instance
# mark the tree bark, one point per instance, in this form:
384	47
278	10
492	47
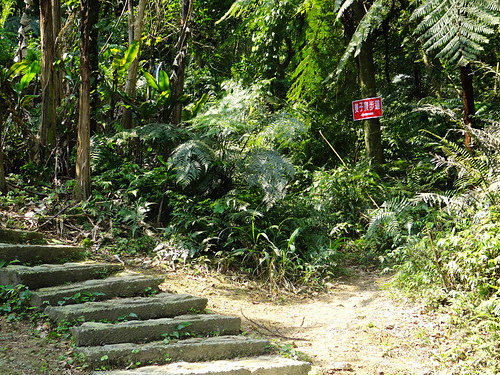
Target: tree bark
47	131
466	76
57	70
368	89
3	183
23	34
136	24
83	188
373	134
179	66
94	8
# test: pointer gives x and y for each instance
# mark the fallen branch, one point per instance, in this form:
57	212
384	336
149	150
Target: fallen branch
53	217
272	332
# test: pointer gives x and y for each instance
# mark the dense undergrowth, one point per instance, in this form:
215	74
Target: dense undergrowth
206	202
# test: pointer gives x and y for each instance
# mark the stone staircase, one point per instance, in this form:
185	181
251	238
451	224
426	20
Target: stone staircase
123	324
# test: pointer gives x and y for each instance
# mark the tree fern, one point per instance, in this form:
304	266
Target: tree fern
389	218
190	160
268	171
458	29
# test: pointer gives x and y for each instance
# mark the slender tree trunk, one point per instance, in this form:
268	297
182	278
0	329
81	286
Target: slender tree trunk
466	76
177	77
56	29
366	71
136	24
373	134
23	34
82	190
47	131
3	183
94	7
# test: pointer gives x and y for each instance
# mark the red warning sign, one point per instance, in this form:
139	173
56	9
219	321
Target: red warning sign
367	108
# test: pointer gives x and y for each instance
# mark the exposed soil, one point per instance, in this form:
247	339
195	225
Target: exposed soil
353	328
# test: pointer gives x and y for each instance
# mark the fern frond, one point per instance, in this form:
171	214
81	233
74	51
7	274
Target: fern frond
190	160
268	171
387	217
341	6
438	110
283	130
370	22
165	134
458	29
238	9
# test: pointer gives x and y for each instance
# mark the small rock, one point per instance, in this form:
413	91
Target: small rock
341	366
389	326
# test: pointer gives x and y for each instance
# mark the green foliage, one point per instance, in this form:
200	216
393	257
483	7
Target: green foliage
177	333
370	22
14	301
81	297
456	29
121	61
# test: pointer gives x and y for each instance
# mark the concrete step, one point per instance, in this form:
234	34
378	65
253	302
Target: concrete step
93	334
163	305
47	275
261	365
20	236
190	350
37	254
126	284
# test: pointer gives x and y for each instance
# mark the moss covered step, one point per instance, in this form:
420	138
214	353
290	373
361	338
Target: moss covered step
260	365
137	331
20	236
36	254
158	352
163	305
47	275
125	284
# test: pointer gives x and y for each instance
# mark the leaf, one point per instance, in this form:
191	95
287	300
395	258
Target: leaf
130	54
200	103
163	81
151	81
26	80
121	64
17	68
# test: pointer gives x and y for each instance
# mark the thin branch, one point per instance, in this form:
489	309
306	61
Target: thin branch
272	332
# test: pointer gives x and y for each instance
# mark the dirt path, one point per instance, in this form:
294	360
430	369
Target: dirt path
354	328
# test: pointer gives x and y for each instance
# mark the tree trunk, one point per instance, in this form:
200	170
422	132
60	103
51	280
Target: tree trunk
177	77
56	29
82	189
47	131
136	24
366	71
3	183
22	35
468	100
94	7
